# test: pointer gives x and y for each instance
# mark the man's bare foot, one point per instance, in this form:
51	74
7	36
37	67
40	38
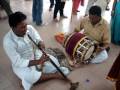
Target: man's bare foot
74	86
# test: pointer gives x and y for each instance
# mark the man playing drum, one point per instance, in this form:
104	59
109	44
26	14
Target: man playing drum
97	29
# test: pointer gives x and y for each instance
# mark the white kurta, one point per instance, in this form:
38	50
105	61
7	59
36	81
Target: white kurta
20	51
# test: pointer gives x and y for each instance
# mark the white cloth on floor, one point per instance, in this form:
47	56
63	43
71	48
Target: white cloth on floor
99	58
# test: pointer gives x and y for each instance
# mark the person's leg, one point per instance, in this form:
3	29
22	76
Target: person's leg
49	76
6	6
34	11
44	77
51	68
51	5
107	6
39	11
62	10
57	75
56	9
75	6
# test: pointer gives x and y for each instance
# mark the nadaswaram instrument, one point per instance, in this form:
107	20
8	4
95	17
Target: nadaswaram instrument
74	86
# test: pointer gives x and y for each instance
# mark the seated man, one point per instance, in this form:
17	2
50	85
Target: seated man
97	29
29	63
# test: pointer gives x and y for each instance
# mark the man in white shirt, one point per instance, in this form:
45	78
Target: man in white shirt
102	3
25	57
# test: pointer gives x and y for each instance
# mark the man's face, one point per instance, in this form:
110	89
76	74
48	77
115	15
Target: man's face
20	29
94	19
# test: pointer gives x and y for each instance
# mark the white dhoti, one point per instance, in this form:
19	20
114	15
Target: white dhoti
30	75
100	57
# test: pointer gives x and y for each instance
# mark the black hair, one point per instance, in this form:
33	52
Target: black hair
95	10
16	18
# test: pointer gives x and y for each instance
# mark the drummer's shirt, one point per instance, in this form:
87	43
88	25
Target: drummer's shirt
99	32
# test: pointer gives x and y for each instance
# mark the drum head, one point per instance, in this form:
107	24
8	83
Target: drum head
89	52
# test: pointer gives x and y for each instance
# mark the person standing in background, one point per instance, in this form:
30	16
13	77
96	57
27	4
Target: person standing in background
37	11
90	3
102	3
51	5
5	4
76	6
115	22
59	7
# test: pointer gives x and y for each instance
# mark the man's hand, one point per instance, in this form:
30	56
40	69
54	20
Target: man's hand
43	59
99	49
41	45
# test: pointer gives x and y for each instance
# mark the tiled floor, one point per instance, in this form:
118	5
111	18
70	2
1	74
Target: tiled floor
91	77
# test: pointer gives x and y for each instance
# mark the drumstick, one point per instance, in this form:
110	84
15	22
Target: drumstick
73	85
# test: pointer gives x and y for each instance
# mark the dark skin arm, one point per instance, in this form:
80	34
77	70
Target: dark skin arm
99	48
38	62
41	45
43	58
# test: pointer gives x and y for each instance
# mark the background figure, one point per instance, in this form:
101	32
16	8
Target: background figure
114	73
75	6
5	4
90	3
51	5
115	22
102	3
37	11
59	7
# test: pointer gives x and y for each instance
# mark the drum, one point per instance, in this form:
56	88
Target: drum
79	46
